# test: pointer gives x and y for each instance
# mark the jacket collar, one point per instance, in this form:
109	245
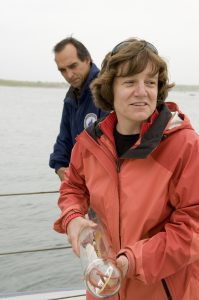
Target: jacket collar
152	132
152	137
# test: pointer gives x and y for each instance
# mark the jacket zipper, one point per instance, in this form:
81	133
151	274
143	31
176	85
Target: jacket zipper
169	297
118	164
165	286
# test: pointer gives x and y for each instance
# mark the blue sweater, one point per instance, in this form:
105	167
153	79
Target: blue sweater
75	118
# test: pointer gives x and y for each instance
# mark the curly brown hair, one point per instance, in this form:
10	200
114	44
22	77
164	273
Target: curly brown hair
131	57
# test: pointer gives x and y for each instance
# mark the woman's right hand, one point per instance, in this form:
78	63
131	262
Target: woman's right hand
75	226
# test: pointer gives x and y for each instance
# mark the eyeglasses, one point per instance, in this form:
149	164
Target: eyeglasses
128	42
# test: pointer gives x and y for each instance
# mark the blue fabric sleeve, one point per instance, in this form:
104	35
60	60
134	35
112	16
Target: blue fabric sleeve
64	144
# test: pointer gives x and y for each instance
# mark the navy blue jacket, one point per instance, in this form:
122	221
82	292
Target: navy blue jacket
75	118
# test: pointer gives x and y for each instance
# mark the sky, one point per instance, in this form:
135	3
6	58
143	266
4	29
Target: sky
30	28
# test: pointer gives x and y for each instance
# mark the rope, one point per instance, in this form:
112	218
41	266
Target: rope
30	193
35	250
68	297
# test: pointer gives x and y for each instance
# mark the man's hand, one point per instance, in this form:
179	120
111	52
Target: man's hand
75	226
61	173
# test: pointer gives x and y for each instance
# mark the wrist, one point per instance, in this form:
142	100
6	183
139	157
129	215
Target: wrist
70	218
61	172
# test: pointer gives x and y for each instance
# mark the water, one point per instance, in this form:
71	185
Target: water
29	123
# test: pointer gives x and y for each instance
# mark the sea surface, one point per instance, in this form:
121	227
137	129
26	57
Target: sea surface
29	123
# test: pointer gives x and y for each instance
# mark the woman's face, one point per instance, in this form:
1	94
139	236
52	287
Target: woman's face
135	99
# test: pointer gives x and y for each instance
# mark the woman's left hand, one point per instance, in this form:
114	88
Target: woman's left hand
122	263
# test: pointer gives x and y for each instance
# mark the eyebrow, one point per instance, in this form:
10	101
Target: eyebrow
71	65
151	75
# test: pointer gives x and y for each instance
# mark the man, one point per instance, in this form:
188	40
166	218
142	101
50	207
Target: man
75	65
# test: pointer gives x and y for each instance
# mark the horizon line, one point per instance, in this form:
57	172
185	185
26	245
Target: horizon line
64	84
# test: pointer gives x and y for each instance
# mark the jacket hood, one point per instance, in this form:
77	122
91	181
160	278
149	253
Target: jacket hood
164	122
178	119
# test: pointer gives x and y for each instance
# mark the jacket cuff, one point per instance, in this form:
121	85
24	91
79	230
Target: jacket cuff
68	218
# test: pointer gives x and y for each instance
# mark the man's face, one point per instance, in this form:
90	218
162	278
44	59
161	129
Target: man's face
71	67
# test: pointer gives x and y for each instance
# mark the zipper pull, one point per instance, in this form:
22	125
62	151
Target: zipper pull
118	164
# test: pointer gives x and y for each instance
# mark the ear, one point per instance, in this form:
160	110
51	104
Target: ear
88	60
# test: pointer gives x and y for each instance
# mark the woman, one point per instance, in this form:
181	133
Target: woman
137	169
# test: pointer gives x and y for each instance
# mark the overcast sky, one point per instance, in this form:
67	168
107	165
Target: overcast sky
30	28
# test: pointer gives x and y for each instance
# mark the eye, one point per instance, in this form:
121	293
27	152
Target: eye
61	70
151	82
73	66
129	82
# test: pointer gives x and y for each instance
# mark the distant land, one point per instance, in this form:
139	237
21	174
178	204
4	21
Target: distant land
43	84
36	84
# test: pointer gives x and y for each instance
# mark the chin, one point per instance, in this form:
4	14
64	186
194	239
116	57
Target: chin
77	86
142	117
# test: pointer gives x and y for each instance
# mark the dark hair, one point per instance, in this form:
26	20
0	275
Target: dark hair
82	51
128	60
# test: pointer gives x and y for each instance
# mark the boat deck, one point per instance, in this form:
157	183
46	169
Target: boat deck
58	295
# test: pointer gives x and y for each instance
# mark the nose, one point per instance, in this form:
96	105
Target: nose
69	74
140	89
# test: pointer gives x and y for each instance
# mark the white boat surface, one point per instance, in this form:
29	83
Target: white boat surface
54	295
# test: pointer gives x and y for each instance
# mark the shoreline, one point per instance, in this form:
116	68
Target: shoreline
43	84
35	84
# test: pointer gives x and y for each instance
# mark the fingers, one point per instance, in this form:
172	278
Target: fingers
74	245
73	240
74	228
91	224
69	239
122	264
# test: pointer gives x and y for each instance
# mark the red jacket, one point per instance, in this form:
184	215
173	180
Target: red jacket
148	199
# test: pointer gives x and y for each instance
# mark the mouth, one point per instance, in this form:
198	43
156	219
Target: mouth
75	83
74	80
140	104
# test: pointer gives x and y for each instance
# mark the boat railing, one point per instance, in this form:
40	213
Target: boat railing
53	295
31	250
28	193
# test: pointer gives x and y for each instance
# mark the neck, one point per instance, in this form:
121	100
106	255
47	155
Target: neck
128	130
